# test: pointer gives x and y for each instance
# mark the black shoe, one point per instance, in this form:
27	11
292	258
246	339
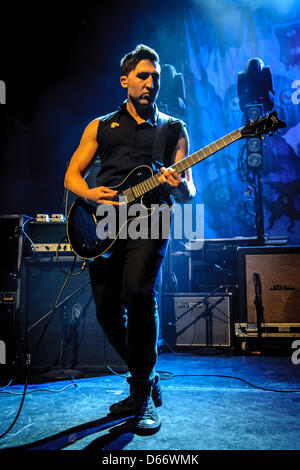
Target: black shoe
125	406
147	418
128	406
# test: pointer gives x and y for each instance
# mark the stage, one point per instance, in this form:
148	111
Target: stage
229	75
220	401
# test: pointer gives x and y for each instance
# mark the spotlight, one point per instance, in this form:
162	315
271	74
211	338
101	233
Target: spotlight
254	144
254	147
254	161
172	91
253	112
255	85
255	90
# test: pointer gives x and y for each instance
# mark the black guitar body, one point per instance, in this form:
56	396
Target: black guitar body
85	228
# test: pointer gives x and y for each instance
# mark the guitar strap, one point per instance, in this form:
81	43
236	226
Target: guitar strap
159	143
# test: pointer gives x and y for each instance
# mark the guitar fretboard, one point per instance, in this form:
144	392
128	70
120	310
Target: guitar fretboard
188	162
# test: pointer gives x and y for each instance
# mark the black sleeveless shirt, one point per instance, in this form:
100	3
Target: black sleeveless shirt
123	144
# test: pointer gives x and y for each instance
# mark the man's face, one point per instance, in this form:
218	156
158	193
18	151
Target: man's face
142	83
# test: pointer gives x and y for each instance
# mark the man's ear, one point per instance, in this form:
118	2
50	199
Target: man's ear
123	81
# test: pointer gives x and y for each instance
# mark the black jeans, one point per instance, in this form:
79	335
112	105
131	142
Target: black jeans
124	292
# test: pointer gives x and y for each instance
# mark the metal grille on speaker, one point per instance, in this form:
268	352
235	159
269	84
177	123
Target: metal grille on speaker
278	269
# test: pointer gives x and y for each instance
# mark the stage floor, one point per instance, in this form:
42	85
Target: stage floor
228	401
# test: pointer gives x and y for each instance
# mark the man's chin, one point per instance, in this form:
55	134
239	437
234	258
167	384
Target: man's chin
146	102
143	103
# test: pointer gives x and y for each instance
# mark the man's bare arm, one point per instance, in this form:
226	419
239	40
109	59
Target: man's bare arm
80	160
182	187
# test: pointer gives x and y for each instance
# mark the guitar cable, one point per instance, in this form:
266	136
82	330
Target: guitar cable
68	273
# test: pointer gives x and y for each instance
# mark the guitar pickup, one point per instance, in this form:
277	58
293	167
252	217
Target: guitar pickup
127	196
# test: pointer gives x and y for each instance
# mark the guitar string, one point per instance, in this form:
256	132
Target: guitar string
152	182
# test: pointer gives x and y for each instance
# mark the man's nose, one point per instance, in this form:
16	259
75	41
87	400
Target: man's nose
150	82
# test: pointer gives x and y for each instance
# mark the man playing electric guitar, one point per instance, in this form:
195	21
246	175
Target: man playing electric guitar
123	283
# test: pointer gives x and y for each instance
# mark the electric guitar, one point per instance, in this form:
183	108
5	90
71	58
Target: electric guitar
83	217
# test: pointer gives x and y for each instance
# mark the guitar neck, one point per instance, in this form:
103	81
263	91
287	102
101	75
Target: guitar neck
205	152
188	162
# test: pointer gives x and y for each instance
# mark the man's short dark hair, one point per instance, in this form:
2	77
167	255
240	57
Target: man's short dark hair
141	52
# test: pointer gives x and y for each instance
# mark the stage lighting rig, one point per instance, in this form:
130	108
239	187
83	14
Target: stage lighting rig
172	101
172	97
255	86
255	92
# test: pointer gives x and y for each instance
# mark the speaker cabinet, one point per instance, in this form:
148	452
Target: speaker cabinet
10	341
73	339
278	271
11	254
196	320
10	268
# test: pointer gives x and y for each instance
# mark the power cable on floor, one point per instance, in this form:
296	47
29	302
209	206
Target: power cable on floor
40	390
171	376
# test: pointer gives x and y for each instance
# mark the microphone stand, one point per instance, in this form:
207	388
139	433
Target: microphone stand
207	314
208	311
258	305
61	373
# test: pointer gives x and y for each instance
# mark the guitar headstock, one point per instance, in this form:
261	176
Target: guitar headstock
263	125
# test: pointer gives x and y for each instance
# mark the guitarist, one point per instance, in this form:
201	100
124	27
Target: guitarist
123	284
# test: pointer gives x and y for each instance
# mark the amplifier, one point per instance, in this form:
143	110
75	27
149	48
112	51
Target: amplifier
196	320
275	271
73	339
11	256
10	336
216	261
47	237
10	273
